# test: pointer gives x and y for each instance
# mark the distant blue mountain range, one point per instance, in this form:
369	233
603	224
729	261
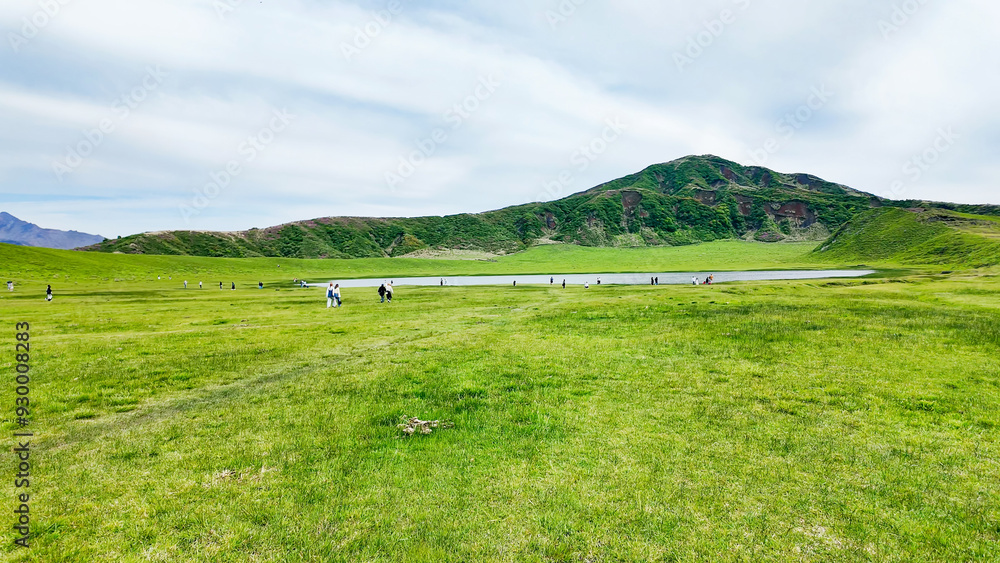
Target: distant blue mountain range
16	231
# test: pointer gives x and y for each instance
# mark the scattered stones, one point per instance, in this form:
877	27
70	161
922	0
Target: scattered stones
411	426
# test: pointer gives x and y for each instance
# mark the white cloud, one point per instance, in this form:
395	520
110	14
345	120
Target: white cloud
356	118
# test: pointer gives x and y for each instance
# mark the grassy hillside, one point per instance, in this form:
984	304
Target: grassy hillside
690	200
933	236
721	423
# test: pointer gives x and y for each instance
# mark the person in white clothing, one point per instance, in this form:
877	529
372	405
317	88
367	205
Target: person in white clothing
388	292
329	296
336	294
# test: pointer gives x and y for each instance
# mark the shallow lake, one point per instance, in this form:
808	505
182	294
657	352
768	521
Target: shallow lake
606	279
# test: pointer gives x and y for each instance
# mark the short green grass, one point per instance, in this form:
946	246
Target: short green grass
851	420
35	268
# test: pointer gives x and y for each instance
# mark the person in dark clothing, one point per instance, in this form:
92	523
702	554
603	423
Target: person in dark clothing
48	293
564	284
657	280
381	293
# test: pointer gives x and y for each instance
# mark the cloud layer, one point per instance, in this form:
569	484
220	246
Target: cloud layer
119	117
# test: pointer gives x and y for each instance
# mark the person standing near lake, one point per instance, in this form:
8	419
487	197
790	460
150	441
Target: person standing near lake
586	285
564	284
552	280
329	296
598	280
48	293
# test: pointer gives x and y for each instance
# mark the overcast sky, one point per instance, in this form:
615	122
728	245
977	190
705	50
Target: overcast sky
123	116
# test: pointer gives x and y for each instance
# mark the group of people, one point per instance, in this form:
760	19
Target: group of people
260	285
333	295
708	281
586	284
385	292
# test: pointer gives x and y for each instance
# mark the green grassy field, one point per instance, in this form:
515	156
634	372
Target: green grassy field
784	421
34	268
845	420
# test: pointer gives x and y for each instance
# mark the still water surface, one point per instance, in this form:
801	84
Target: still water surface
606	279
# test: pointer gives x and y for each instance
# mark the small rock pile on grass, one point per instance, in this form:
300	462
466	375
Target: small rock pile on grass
411	426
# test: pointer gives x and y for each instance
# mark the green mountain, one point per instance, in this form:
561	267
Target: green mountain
917	236
693	199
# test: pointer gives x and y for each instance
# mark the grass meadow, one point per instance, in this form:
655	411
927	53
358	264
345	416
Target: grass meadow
850	420
34	268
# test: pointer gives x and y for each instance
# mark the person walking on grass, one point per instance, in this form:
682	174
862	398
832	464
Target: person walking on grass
336	294
234	286
199	286
10	286
48	293
564	284
381	293
388	292
185	284
329	296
